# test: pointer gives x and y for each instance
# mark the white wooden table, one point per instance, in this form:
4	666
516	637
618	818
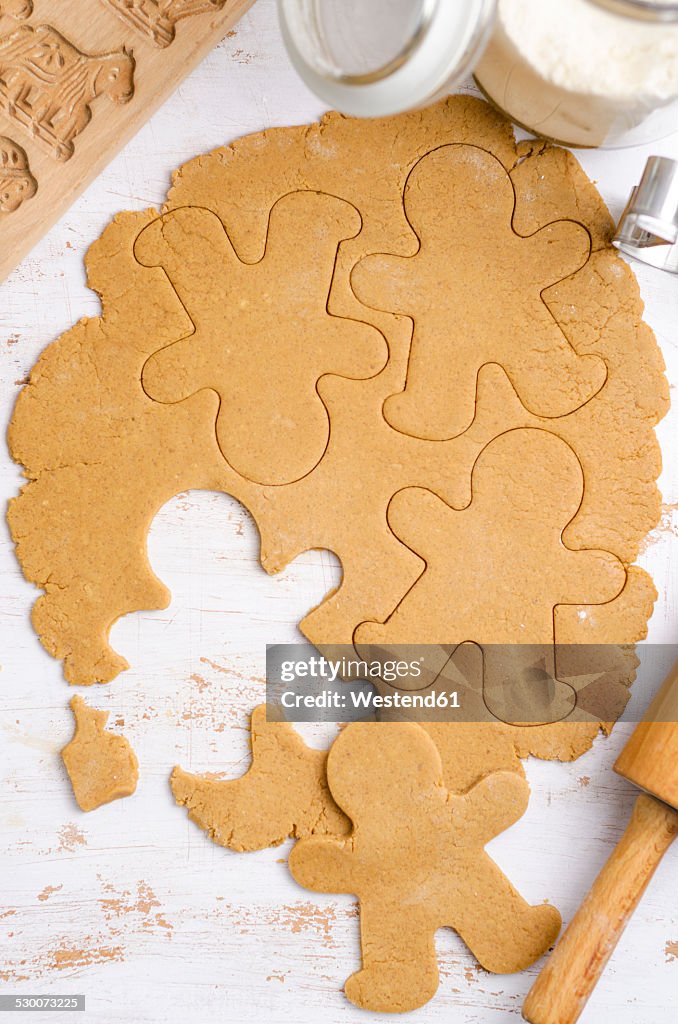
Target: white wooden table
132	905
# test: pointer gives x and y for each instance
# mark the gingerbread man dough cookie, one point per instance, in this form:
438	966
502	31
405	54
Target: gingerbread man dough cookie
416	862
263	334
473	290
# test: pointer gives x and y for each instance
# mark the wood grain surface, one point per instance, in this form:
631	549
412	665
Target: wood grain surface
77	79
132	905
650	758
563	988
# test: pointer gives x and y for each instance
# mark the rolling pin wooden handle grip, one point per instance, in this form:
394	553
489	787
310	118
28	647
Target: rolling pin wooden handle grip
561	991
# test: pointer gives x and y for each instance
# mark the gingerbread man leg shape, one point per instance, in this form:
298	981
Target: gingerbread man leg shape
512	937
474	293
416	862
263	335
400	971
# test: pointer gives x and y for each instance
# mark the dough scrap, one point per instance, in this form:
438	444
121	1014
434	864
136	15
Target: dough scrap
102	459
416	862
473	291
263	336
284	793
101	765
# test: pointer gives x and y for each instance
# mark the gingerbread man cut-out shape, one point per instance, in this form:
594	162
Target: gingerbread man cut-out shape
474	292
526	486
263	334
416	862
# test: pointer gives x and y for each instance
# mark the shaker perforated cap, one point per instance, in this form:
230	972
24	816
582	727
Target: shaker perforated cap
648	228
374	58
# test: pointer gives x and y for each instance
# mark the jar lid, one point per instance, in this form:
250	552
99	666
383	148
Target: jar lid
385	56
642	10
648	228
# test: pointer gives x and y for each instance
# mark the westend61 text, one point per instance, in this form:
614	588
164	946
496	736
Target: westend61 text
367	700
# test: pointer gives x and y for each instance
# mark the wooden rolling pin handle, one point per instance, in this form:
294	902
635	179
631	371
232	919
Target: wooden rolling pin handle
561	991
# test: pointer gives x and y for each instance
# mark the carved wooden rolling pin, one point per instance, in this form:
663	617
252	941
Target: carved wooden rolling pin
650	761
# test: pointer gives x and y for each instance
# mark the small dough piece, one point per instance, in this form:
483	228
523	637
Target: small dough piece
474	292
283	794
262	335
416	862
101	766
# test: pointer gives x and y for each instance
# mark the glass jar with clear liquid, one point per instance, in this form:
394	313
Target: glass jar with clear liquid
580	72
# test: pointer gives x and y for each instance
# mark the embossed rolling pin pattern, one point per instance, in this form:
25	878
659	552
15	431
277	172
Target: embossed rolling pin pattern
650	761
77	79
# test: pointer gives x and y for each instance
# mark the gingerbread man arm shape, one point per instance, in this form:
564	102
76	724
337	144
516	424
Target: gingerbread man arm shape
474	292
416	862
284	793
488	808
263	334
325	864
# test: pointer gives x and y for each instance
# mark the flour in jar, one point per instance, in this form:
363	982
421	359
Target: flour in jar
579	74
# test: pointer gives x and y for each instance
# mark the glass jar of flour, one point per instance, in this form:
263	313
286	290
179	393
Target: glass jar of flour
580	72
